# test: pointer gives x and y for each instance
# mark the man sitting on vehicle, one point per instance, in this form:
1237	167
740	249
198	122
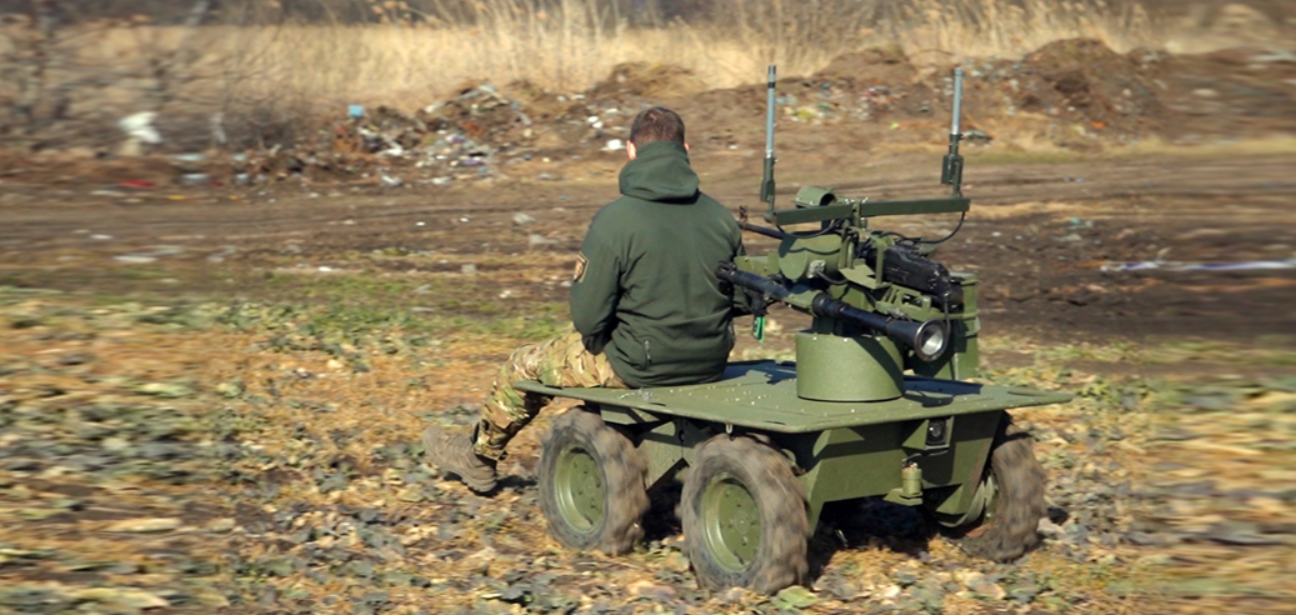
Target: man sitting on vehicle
646	305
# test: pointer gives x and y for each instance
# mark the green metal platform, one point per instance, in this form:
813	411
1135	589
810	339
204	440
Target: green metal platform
763	395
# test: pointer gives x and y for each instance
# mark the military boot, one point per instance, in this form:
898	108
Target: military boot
453	452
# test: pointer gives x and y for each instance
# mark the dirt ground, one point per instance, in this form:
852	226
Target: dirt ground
355	282
211	391
1038	236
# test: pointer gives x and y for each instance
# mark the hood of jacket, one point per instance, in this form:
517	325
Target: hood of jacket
660	172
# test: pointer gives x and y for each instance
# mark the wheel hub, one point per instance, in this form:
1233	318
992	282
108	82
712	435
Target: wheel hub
580	490
732	524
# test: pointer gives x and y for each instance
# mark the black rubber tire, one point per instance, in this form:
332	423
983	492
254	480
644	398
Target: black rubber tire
622	470
1012	528
782	556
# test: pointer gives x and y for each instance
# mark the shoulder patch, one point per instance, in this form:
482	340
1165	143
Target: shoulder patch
581	264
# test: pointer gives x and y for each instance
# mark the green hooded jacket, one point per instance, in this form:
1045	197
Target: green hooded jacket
645	290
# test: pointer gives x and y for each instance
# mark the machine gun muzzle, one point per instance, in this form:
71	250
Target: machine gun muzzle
927	339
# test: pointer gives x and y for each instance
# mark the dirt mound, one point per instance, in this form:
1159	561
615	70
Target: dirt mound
634	80
1088	79
886	65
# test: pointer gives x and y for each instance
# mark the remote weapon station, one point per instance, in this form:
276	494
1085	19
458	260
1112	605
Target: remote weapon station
876	404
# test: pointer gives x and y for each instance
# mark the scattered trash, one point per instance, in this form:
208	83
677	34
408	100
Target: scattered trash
614	145
220	257
144	526
137	183
135	259
468	269
355	111
194	179
977	137
1077	223
536	240
140	127
1176	266
152	256
522	219
392	182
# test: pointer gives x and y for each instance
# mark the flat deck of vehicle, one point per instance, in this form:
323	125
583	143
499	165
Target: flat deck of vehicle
762	395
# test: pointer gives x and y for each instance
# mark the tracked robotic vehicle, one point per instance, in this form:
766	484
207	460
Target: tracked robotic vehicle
876	404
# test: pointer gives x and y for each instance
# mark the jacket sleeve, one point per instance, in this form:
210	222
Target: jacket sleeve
596	288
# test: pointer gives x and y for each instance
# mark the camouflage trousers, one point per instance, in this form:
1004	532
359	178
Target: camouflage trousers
559	362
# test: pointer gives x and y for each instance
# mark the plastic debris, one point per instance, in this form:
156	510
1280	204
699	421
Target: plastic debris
535	240
135	259
1177	266
140	127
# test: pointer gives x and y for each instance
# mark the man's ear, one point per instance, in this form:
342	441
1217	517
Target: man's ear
686	148
631	150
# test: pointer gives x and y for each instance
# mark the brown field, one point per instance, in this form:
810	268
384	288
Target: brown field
214	369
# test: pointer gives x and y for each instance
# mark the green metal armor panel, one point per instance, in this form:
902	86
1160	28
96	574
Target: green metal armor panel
763	395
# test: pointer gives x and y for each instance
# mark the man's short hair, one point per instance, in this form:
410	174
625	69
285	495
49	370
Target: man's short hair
657	124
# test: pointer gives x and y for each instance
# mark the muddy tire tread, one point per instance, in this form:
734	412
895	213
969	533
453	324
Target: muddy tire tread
624	471
1013	530
783	557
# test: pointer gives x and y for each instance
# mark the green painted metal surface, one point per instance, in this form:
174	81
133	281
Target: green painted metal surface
762	395
732	523
851	207
839	368
578	484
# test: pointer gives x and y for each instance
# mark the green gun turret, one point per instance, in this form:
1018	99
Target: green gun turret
769	444
876	291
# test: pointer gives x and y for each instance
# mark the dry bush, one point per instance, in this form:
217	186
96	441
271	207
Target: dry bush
65	77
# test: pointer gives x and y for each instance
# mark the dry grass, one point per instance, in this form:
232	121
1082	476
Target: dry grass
387	62
282	72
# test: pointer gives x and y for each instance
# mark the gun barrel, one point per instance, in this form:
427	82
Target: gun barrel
958	102
761	230
732	274
928	339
